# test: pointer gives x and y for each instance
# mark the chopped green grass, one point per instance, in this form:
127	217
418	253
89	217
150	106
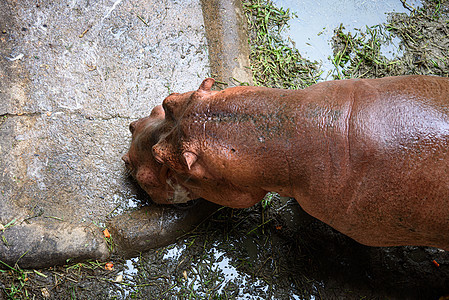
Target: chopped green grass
423	42
274	61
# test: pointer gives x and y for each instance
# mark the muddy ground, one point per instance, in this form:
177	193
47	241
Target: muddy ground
275	250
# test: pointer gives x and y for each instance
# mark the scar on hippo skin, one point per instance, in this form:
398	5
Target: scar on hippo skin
367	156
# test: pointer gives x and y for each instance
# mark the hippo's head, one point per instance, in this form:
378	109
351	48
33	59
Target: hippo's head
174	160
144	164
151	175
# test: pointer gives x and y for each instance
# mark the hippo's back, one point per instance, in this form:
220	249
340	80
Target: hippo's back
391	186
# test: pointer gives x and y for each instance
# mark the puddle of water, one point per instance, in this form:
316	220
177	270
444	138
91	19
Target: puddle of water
222	261
218	262
314	26
174	252
211	274
130	269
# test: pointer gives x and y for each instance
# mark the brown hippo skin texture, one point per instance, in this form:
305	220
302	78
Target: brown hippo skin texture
367	156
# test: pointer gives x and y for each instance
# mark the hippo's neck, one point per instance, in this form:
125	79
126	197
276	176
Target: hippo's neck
280	140
315	146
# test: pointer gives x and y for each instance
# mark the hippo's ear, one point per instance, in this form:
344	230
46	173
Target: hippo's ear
206	85
189	158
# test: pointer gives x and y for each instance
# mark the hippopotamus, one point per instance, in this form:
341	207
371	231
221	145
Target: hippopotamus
369	157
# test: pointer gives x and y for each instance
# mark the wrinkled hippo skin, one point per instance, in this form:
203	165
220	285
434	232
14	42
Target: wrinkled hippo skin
370	157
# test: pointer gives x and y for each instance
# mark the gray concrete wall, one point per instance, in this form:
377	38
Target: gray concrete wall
73	75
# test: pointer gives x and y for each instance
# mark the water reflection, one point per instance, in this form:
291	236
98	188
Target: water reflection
314	26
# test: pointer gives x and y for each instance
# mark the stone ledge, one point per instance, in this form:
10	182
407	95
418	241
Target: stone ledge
42	244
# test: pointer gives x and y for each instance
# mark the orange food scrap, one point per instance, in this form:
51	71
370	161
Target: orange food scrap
435	263
106	233
109	266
